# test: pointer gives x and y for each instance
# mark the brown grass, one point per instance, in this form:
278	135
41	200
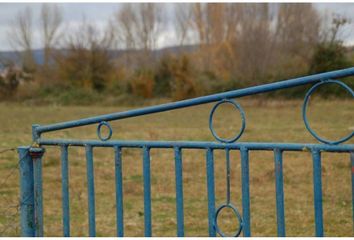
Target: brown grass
267	122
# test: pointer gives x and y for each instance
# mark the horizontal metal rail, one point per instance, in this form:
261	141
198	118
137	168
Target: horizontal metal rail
201	145
196	101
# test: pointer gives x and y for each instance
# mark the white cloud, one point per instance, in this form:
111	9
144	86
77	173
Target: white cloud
167	38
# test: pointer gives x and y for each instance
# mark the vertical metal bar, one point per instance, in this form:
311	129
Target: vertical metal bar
26	194
119	191
245	192
147	191
228	172
279	189
317	185
211	191
36	154
352	160
179	192
90	190
65	190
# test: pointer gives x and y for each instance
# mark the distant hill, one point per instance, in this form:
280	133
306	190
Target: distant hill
39	53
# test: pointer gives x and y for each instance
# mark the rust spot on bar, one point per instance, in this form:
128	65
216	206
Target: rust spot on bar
36	152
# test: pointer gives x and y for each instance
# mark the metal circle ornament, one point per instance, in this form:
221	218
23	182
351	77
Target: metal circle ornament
243	118
238	216
305	105
110	131
228	203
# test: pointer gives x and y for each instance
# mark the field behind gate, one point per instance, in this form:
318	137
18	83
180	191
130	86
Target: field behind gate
268	121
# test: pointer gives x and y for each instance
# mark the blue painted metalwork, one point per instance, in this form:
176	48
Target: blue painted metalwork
279	190
304	111
211	191
201	145
36	155
31	172
352	170
198	101
147	191
65	190
90	191
179	192
228	203
317	185
26	193
110	131
119	191
245	192
243	118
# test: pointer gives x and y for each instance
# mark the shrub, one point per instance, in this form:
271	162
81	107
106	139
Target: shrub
163	77
328	57
182	83
142	83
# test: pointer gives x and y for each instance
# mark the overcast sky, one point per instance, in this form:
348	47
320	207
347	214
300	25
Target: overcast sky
101	12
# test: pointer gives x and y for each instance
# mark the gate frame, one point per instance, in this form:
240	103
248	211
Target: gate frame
31	200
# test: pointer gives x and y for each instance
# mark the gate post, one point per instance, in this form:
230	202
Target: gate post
26	192
36	154
31	205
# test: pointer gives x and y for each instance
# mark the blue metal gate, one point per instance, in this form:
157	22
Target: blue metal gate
31	162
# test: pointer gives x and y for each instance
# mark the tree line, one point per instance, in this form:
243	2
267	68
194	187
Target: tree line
221	46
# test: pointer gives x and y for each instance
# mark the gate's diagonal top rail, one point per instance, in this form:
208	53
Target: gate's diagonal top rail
196	101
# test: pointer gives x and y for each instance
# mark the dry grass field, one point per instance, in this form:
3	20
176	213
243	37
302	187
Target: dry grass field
267	121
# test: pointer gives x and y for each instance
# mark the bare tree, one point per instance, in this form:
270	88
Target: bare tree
125	20
215	19
138	27
232	19
199	22
254	41
50	19
233	38
214	22
209	26
332	32
298	28
149	21
20	37
183	18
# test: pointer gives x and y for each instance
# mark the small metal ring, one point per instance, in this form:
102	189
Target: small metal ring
243	118
304	111
238	215
104	123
